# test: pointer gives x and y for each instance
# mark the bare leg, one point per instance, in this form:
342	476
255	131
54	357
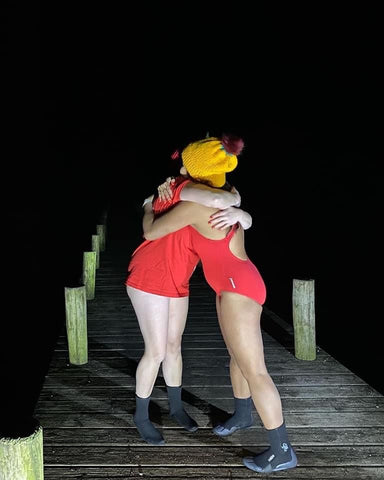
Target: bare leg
173	364
242	416
240	320
239	383
152	314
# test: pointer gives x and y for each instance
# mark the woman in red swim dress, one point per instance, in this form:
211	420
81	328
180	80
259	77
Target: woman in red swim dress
240	290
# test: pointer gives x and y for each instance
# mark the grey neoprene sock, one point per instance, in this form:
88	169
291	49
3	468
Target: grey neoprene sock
279	456
177	411
145	427
241	418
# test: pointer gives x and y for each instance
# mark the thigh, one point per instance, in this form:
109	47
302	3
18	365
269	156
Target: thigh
152	312
240	324
218	311
178	312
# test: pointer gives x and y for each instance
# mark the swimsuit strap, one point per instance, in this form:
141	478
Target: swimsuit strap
232	232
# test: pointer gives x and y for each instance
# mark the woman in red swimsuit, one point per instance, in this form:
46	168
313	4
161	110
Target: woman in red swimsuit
158	287
240	290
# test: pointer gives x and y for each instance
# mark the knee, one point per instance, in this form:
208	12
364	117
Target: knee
156	355
174	346
232	360
256	374
259	379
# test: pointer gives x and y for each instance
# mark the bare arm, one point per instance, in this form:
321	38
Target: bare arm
200	193
225	218
210	197
181	215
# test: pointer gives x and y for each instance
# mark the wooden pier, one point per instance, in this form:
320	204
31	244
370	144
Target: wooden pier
335	420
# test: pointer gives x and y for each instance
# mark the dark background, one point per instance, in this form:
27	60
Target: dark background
97	97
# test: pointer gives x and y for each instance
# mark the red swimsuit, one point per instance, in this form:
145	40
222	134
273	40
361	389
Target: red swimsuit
226	272
164	266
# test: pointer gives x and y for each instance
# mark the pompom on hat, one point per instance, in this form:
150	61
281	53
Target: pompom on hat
209	159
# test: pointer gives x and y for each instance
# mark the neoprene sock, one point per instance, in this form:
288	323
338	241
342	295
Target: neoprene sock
145	427
241	418
177	412
279	456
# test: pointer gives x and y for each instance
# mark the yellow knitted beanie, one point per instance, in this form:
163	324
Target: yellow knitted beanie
208	160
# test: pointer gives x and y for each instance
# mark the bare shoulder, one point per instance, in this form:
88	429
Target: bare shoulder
192	212
189	207
185	213
198	186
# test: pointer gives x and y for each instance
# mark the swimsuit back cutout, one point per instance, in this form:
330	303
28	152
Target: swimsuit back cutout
203	243
224	271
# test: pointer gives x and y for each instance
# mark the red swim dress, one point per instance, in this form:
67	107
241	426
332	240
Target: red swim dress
164	266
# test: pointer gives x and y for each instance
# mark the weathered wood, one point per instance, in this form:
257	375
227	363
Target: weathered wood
22	458
254	436
76	324
103	351
303	309
59	382
132	337
89	274
335	420
96	248
214	455
204	472
120	420
125	403
225	391
124	365
101	232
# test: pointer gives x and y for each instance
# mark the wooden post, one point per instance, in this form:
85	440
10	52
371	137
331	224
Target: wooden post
22	458
76	323
89	274
96	248
101	231
303	309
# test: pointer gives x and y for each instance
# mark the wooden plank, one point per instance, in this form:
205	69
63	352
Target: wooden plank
196	353
210	473
195	378
125	403
121	340
107	366
129	339
214	455
323	392
334	418
204	436
113	419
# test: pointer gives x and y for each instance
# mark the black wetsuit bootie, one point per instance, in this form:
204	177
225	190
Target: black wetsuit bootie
145	427
177	412
280	455
241	419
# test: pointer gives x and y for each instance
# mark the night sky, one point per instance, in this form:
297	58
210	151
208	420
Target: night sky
97	97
